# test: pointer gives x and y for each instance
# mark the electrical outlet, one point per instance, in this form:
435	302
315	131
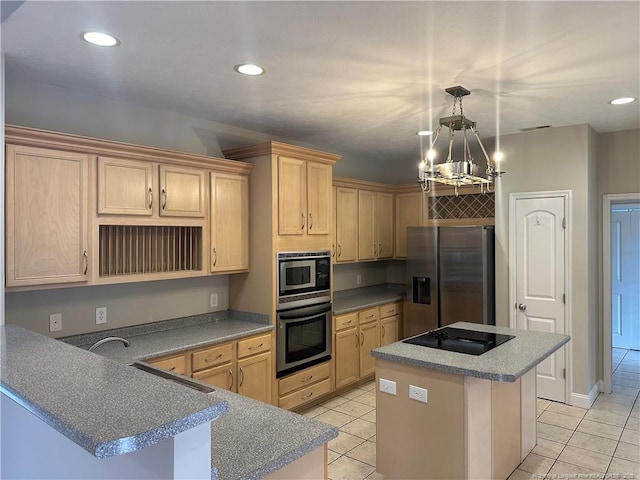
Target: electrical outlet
55	322
388	386
417	393
358	279
213	300
101	315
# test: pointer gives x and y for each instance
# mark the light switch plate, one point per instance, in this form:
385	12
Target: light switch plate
417	393
388	386
213	300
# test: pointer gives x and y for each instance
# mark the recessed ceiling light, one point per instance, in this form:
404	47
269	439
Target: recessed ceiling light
424	133
249	69
622	100
100	39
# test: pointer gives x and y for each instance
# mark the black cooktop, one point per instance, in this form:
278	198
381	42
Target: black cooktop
458	340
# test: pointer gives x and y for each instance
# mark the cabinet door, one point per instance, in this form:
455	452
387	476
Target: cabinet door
125	187
346	224
46	225
369	339
347	360
389	330
292	195
384	224
409	213
367	241
221	376
254	377
175	364
182	192
318	198
229	222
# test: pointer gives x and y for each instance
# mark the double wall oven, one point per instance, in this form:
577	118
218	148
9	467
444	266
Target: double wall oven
304	311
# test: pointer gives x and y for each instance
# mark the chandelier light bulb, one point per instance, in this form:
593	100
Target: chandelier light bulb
431	155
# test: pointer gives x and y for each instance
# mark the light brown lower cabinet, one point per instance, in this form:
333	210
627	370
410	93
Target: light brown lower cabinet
304	386
173	363
254	377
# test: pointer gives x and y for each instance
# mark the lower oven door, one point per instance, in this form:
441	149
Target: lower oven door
303	338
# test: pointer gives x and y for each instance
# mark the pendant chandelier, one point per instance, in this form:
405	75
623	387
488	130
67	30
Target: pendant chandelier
465	171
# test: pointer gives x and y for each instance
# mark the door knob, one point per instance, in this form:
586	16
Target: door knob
522	307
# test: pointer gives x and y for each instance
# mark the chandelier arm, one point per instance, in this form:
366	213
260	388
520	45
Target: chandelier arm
486	156
450	144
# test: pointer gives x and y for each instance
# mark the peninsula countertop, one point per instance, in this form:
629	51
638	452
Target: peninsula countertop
506	363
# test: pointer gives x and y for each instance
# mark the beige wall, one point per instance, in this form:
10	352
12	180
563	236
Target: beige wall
547	160
127	304
372	273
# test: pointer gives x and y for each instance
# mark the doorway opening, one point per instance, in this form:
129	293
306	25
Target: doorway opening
620	281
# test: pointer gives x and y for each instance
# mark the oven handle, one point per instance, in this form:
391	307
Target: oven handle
304	312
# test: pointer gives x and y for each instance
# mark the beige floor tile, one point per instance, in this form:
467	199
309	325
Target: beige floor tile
344	442
624	381
542	403
600	429
584	458
605	416
369	386
567	410
568	470
345	468
548	448
368	398
365	452
334	418
315	411
630	436
633	423
593	443
621	390
521	475
373	439
536	464
628	368
632	354
559	419
628	451
360	428
354	408
635	411
334	402
614	400
376	476
351	394
554	433
370	417
331	456
623	467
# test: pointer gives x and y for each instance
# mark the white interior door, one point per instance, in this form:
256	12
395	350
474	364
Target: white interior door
540	281
625	276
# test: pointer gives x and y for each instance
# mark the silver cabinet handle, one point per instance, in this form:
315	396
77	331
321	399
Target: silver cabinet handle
150	198
306	379
164	198
310	221
357	339
231	378
380	248
86	262
255	347
241	377
522	307
333	250
361	338
339	250
309	395
217	357
214	254
303	221
382	331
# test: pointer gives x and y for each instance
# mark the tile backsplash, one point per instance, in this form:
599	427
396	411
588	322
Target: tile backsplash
477	205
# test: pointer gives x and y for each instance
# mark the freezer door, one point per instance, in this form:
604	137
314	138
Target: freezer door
421	307
466	275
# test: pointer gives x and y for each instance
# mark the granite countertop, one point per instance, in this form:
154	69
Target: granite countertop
65	386
505	363
252	439
346	301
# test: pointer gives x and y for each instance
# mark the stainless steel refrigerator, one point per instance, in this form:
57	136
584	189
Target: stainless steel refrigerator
451	277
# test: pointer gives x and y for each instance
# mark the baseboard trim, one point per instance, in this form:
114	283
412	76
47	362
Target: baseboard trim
585	401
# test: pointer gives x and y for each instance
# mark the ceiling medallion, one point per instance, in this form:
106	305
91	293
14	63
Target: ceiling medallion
465	171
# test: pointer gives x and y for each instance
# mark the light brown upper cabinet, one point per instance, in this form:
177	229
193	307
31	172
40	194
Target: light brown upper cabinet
131	187
410	212
229	222
46	225
375	225
346	232
304	197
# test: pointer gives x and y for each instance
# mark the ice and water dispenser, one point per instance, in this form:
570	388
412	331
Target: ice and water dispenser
422	290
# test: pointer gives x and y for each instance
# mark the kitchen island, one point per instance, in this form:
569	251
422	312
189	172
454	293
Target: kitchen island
479	418
78	413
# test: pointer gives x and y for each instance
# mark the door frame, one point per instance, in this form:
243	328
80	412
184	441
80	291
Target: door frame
568	251
607	201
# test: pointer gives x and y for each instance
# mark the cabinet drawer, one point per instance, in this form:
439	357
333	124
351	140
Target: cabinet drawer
220	376
346	321
306	377
172	364
254	345
389	310
305	395
211	357
369	315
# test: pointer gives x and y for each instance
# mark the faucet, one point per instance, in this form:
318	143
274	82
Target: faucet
108	339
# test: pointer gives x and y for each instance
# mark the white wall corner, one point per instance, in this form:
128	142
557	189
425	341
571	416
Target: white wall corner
585	401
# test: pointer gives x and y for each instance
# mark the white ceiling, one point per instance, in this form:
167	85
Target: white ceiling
355	78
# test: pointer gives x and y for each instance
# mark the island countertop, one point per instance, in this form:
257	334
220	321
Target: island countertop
505	363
